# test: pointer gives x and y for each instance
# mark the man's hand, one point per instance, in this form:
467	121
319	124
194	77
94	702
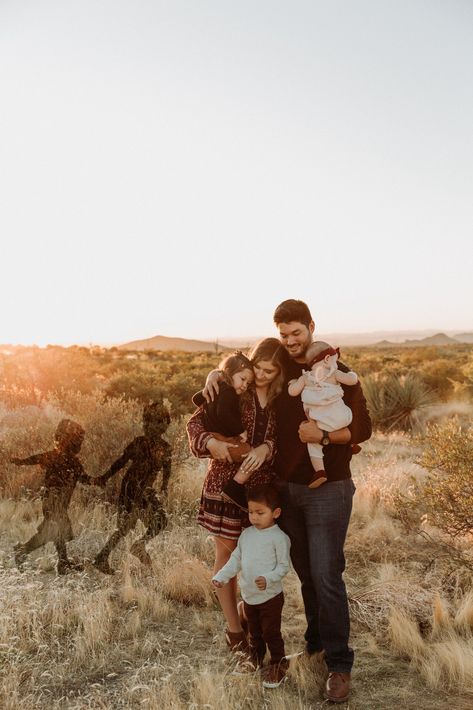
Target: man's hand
260	583
219	450
309	432
217	584
211	385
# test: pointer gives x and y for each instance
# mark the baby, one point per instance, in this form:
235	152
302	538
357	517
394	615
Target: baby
322	396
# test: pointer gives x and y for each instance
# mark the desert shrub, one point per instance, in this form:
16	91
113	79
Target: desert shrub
136	385
446	497
440	376
396	402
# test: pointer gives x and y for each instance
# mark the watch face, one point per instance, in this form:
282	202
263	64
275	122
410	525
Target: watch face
325	441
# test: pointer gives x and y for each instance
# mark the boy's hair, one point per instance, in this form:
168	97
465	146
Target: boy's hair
69	434
234	363
266	494
156	412
292	310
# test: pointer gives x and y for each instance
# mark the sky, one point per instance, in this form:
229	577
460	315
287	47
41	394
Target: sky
181	167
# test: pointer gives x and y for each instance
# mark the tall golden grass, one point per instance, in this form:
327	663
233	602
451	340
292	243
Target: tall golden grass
154	637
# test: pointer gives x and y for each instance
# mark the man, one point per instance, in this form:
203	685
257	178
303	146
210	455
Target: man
316	519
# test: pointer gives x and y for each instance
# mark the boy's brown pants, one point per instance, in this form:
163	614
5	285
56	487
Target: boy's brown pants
264	625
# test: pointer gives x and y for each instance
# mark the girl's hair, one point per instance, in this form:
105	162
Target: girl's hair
272	350
234	363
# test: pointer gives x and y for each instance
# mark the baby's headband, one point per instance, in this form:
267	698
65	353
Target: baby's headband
320	356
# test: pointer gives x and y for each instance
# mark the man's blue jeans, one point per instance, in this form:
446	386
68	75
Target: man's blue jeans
316	520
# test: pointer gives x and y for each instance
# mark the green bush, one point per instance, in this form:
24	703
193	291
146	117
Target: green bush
396	402
447	496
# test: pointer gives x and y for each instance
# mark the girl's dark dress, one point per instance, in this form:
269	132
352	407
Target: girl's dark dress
217	515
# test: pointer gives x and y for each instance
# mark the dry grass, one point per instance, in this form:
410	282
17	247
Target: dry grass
153	637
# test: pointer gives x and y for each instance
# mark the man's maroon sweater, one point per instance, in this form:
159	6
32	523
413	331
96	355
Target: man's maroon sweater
292	461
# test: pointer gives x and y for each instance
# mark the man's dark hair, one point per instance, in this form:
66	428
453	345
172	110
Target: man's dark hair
266	494
292	310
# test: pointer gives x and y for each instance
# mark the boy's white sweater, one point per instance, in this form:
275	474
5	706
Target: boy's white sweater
259	553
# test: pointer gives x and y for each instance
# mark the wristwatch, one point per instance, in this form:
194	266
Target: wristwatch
325	440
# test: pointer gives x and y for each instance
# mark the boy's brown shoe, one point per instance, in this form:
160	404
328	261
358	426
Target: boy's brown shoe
337	687
236	641
245	665
275	674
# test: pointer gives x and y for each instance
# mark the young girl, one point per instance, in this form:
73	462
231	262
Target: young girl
322	396
225	520
222	416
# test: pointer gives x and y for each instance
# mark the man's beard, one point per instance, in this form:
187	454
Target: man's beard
301	350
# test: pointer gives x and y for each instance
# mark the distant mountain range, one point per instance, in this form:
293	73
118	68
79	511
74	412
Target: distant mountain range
437	339
390	339
162	342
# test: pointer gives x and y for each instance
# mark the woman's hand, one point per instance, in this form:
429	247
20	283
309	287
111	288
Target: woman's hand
219	450
253	460
211	385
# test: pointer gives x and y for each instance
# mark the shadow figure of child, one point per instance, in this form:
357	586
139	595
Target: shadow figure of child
63	471
137	499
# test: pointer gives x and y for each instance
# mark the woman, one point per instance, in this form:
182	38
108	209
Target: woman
223	519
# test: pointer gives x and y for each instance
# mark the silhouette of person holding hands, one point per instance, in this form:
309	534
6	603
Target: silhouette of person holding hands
137	499
62	470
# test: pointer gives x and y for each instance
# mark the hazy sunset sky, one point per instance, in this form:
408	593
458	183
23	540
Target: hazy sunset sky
181	167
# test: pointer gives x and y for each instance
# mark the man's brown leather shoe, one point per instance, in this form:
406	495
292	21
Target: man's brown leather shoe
337	687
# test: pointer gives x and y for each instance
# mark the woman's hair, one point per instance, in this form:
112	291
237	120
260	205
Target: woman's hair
234	363
272	350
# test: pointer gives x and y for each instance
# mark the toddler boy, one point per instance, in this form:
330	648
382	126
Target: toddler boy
262	558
